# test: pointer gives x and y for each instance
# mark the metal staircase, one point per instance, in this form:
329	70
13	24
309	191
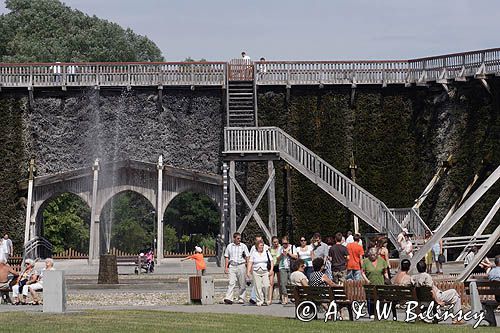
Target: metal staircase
241	103
274	141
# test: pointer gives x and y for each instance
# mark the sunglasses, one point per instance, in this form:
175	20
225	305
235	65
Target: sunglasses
285	243
302	240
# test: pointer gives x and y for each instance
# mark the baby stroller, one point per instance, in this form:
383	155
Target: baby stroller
147	262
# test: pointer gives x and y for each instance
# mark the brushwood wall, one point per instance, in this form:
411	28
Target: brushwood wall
397	135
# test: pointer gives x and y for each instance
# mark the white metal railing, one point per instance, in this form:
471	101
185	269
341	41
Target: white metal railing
238	140
112	74
456	66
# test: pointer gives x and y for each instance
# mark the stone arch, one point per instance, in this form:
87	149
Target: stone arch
107	199
39	224
214	194
105	196
41	203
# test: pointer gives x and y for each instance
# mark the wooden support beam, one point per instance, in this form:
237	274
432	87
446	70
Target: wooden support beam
481	228
232	199
253	208
271	197
455	217
480	255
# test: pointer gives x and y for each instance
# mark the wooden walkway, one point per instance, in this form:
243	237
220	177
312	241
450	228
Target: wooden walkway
439	69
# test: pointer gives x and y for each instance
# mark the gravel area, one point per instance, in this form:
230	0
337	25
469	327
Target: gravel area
131	298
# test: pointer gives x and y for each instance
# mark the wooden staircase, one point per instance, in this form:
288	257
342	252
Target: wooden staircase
241	104
275	141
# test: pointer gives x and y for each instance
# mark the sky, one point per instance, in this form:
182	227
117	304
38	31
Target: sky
219	30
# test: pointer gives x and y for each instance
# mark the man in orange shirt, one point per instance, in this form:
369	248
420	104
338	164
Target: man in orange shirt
199	260
356	253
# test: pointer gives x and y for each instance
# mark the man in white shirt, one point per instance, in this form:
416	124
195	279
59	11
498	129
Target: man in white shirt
244	56
7	248
236	255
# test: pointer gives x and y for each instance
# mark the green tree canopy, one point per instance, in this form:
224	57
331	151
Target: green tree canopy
66	222
49	31
132	221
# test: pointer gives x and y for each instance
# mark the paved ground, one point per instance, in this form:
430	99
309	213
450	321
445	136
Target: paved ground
165	290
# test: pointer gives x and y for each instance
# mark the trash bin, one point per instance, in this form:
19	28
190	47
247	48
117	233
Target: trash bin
201	289
194	289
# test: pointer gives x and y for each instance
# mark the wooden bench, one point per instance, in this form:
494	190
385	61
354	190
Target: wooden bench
399	295
490	292
320	296
135	261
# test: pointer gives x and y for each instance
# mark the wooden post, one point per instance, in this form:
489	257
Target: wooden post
232	199
287	228
30	201
159	211
353	167
94	241
271	196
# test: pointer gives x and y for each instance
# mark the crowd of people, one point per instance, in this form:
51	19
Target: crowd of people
316	263
28	281
311	262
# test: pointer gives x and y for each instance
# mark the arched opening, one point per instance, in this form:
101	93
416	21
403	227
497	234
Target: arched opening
127	224
190	219
65	222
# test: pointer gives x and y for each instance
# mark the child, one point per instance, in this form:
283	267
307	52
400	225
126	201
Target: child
198	258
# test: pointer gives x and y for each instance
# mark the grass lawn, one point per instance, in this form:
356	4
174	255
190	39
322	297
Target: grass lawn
159	321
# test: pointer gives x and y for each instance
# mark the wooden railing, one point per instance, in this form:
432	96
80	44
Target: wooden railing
458	66
112	74
410	219
243	140
331	72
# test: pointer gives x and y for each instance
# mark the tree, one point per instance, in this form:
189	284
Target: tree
169	238
132	219
193	213
48	31
184	239
66	223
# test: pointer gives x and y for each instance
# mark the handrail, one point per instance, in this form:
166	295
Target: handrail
37	247
456	66
410	219
238	140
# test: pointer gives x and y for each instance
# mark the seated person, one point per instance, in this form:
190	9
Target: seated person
447	297
20	287
5	271
298	278
403	278
494	273
318	277
36	283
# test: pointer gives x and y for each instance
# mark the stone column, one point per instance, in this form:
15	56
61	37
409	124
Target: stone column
271	200
94	219
54	292
29	204
159	211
